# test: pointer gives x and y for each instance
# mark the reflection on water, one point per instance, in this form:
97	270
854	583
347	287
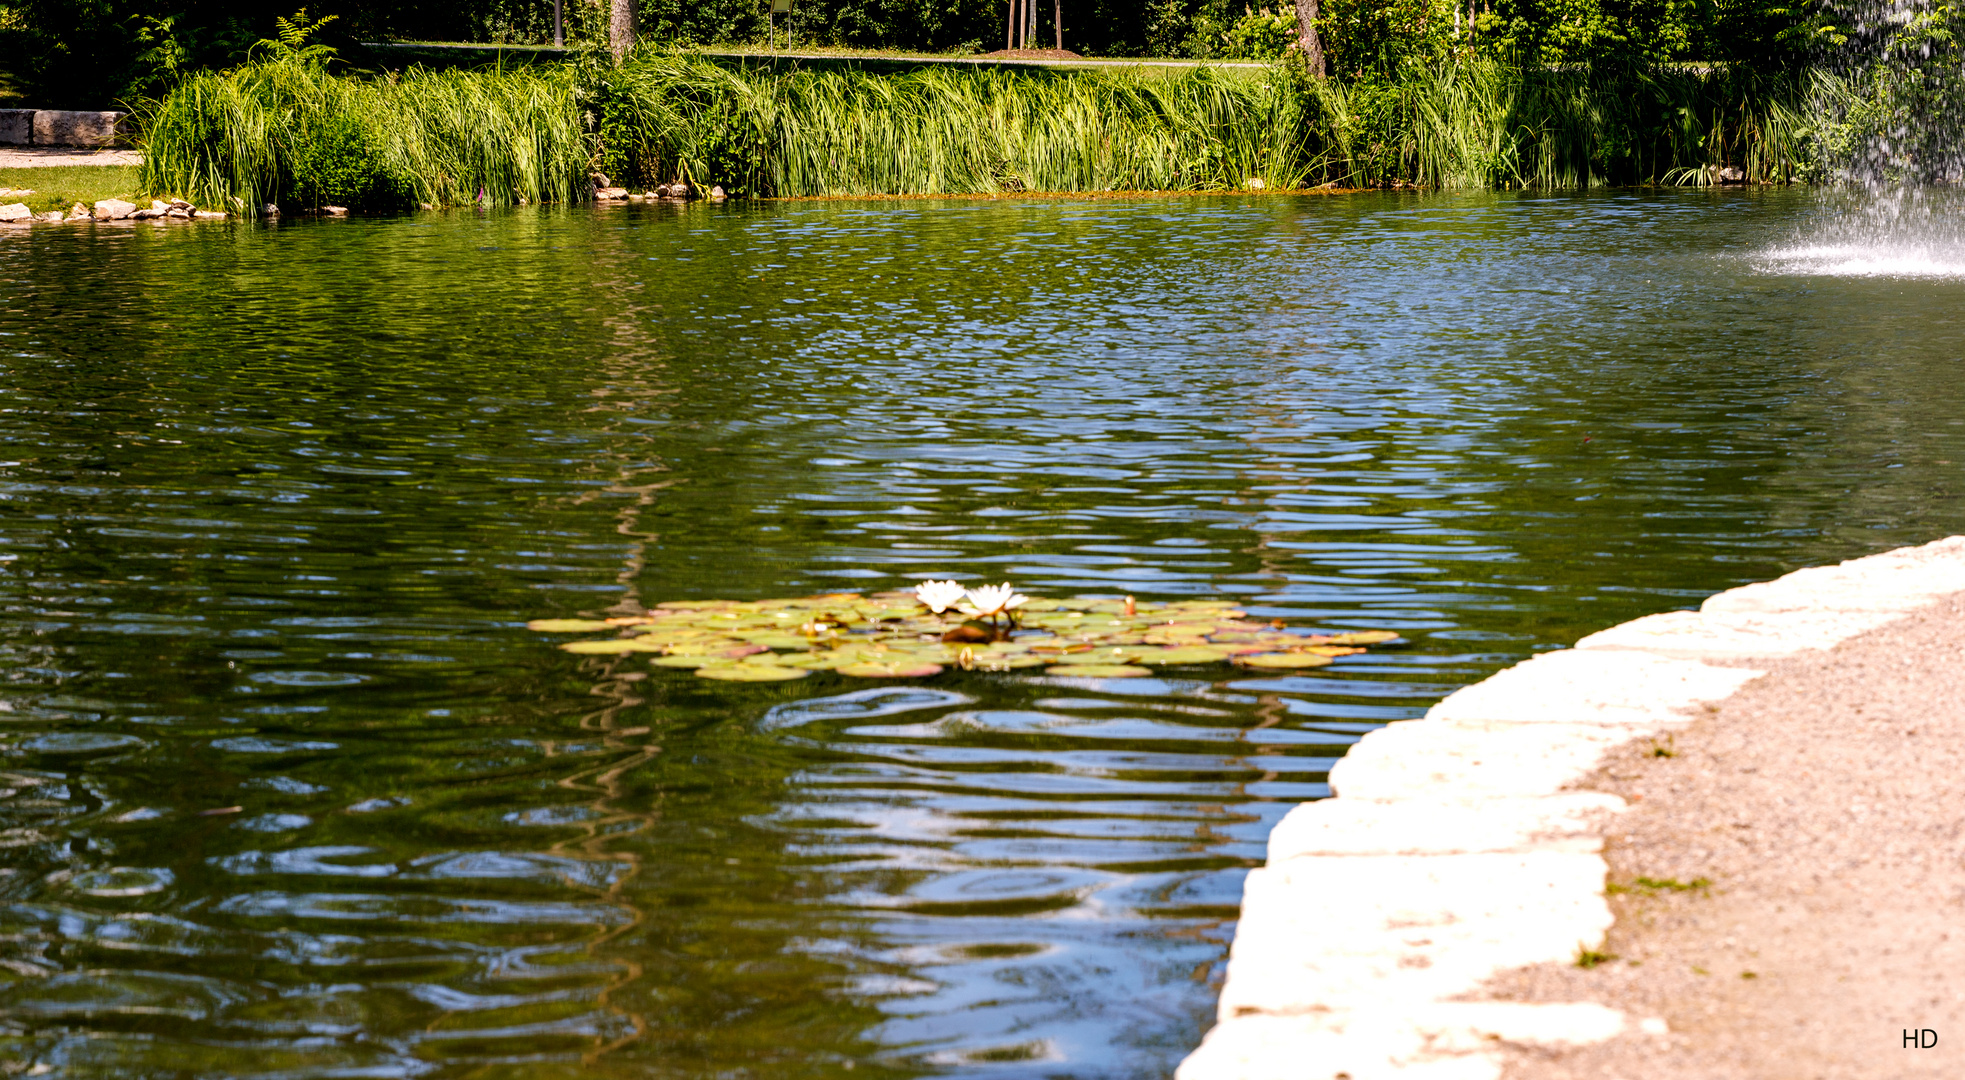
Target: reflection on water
289	790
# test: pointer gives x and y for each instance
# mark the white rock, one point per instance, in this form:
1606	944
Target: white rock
114	209
1593	687
1697	636
1348	932
15	212
1893	582
1443	826
1433	1040
1347	1047
1256	183
1433	759
209	215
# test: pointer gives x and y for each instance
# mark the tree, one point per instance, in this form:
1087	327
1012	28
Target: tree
1307	14
620	27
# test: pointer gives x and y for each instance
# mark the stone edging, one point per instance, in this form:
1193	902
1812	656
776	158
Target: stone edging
60	127
1453	851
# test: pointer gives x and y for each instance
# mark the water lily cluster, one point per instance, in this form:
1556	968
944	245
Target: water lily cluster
919	633
987	602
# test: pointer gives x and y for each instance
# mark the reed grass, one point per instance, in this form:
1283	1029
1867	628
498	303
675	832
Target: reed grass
938	130
283	131
290	133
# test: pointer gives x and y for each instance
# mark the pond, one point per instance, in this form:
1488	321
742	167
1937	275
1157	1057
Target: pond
289	789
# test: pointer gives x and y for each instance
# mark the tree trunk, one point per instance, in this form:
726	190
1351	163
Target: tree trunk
621	27
1307	38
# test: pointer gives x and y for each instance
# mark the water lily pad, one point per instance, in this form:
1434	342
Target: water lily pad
905	669
1184	654
778	640
615	646
751	673
714	647
814	661
1102	656
891	635
1099	671
1283	660
691	662
1362	637
1008	661
566	626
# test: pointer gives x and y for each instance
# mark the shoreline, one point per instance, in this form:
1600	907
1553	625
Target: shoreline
1456	849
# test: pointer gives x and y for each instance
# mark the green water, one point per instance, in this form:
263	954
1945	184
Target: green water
276	502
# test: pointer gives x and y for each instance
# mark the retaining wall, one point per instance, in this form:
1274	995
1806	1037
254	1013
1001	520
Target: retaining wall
1453	849
61	127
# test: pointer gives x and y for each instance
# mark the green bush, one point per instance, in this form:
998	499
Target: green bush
339	160
1262	35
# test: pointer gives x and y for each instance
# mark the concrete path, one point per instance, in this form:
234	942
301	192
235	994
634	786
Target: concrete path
1445	916
29	157
1825	804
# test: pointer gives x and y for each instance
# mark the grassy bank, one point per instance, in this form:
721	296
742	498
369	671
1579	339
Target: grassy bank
58	187
290	133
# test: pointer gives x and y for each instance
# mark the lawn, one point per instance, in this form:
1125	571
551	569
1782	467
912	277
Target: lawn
59	187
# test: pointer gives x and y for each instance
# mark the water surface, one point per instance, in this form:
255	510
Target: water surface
290	791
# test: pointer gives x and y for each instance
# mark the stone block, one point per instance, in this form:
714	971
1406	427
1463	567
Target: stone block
16	212
1386	932
1593	687
1692	635
1315	1048
1434	1041
60	127
16	127
113	209
1350	826
1893	582
1433	760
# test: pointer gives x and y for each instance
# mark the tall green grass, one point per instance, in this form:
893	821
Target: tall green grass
946	130
290	133
1486	125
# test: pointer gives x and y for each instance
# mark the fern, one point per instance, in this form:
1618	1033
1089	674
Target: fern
293	36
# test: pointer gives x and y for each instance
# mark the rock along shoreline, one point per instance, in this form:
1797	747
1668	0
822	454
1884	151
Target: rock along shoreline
1454	849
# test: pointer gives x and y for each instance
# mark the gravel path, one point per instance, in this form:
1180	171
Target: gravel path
29	157
1825	805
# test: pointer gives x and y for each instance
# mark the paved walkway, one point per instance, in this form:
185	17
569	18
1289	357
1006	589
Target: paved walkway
30	157
1825	803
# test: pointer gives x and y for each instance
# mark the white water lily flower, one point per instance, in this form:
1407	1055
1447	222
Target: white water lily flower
993	600
939	595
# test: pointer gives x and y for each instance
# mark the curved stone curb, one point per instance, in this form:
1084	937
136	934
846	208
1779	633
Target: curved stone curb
1453	852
